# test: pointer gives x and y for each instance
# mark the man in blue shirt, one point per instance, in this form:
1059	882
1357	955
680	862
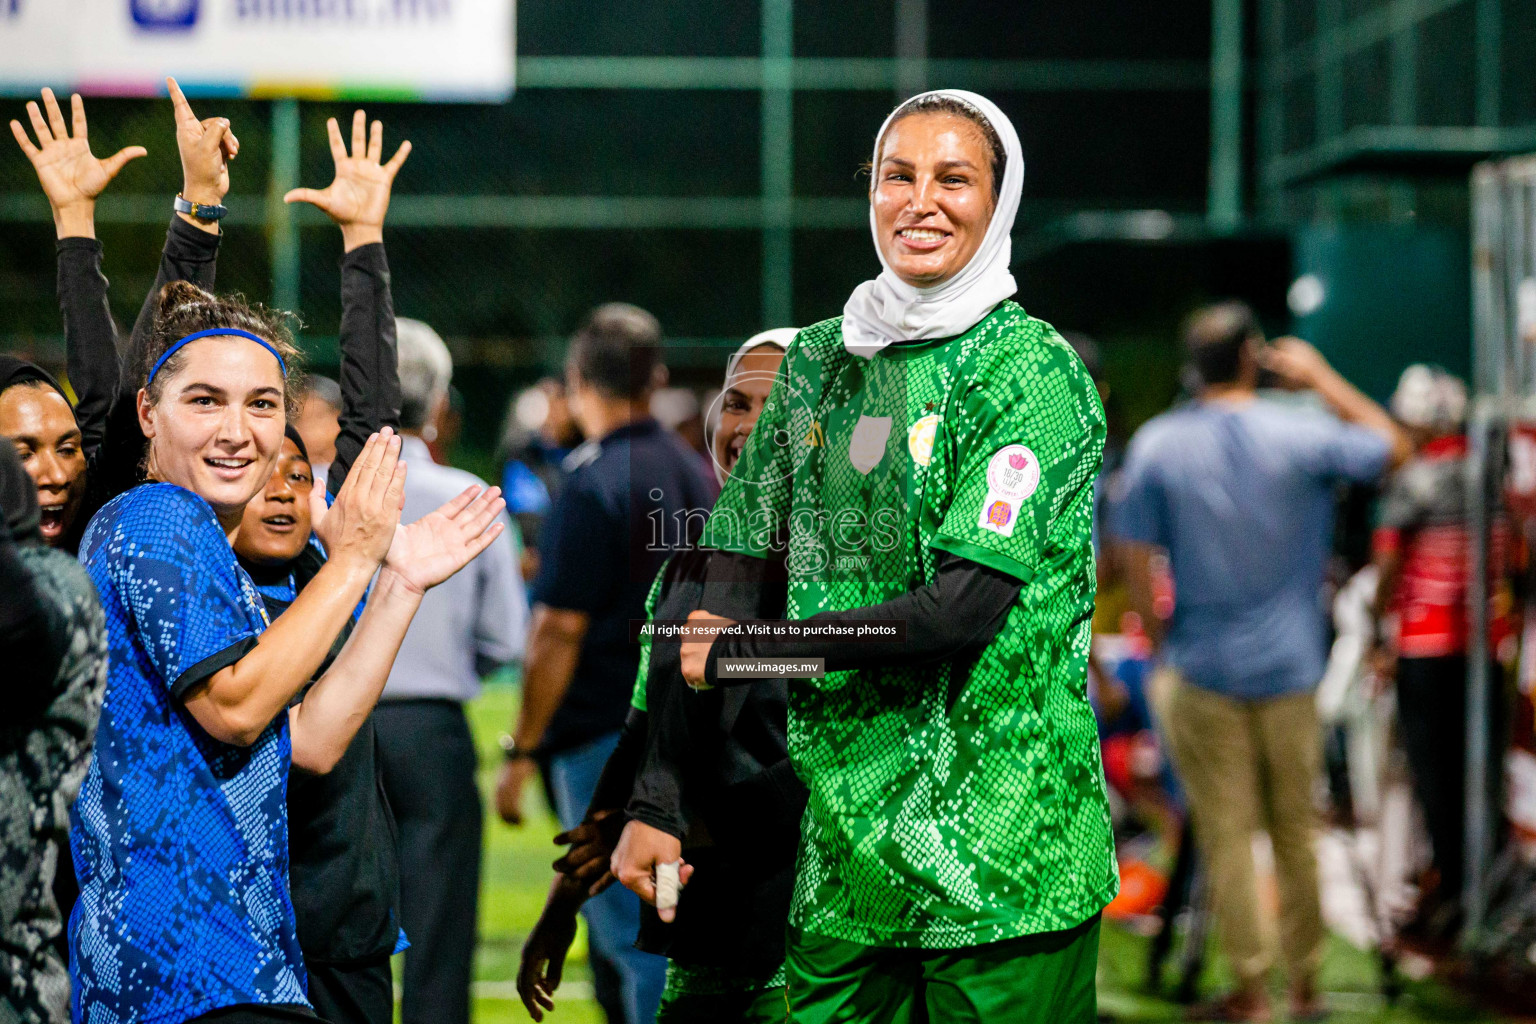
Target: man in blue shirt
635	493
1238	491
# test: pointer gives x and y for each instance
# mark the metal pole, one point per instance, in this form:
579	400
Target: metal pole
1474	899
1271	108
1224	198
911	48
282	231
778	162
1490	34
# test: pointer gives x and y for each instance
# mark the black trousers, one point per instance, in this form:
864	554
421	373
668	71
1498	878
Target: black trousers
429	776
1432	713
361	993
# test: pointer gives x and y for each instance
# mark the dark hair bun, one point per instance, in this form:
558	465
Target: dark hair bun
185	309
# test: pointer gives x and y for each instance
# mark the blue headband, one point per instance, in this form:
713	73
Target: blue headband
178	346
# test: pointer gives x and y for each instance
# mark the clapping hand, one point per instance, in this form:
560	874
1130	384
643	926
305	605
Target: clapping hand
358	198
433	548
363	522
206	148
71	176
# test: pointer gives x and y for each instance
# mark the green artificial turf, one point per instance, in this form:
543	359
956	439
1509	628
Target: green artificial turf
517	871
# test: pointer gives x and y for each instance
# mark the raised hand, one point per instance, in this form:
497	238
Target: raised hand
71	176
206	148
358	198
436	546
363	521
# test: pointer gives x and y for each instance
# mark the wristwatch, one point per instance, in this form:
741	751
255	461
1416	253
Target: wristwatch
510	748
200	210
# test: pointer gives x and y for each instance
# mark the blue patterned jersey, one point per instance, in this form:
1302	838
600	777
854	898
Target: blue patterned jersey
181	841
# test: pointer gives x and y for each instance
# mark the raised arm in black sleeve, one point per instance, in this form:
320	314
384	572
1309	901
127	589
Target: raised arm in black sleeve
955	616
370	372
190	254
90	339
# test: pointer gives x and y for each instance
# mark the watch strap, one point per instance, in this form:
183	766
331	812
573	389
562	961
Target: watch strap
200	211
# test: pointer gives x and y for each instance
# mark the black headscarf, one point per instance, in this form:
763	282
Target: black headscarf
292	433
18	499
19	371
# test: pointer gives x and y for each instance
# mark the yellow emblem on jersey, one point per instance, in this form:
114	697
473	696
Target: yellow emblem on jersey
920	439
814	437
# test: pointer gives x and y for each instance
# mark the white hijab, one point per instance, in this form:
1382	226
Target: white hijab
779	337
887	309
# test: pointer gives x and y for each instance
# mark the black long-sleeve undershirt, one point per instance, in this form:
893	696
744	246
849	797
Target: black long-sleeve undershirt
955	616
370	374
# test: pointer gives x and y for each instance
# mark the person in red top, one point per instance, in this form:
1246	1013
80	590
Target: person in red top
1422	550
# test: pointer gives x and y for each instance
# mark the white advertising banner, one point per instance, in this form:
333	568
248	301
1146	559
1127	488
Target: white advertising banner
352	49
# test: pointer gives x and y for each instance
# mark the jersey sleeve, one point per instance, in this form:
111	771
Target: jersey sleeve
637	698
179	580
1334	451
1029	439
754	505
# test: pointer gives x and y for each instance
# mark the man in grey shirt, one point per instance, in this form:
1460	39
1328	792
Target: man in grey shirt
1238	490
466	628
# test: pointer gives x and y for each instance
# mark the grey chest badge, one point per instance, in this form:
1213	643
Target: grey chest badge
867	445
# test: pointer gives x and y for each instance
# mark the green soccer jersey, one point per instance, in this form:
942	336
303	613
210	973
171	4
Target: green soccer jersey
948	808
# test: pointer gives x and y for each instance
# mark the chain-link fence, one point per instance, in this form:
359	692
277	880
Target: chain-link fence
699	160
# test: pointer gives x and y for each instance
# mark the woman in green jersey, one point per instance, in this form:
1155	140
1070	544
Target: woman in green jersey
924	473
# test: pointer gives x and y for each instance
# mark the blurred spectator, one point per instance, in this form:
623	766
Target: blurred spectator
537	436
679	410
466	628
1422	551
600	551
54	644
320	421
1239	492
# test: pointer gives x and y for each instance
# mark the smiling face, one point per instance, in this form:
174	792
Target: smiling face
42	426
742	402
932	196
276	523
217	426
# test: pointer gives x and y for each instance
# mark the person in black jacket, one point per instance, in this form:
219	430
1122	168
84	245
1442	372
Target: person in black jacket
710	770
81	457
54	645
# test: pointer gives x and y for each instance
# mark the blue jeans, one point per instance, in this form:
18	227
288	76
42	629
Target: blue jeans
613	919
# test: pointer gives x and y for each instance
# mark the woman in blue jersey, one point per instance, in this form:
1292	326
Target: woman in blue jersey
180	831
